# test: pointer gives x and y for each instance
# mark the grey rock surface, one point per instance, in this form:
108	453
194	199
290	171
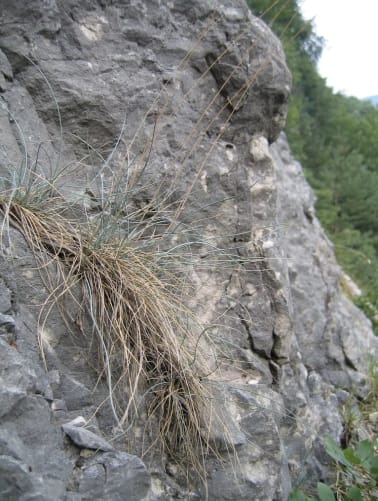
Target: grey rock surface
116	476
32	461
202	86
86	439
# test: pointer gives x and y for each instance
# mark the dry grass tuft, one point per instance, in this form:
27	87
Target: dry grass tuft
144	347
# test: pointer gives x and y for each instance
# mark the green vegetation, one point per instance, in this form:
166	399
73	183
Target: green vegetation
360	416
335	139
356	462
357	473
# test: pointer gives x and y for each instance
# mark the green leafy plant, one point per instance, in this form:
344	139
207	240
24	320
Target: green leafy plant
323	491
357	473
357	468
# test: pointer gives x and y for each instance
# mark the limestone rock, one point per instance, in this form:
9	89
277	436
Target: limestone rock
198	89
85	438
114	476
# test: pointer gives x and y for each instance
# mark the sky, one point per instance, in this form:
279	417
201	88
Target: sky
350	57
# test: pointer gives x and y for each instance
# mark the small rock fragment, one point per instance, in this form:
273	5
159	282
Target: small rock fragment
86	439
373	418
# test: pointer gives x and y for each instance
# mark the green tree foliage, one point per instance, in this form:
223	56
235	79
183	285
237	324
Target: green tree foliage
336	139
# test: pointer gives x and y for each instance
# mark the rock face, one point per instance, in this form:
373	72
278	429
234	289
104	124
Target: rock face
199	91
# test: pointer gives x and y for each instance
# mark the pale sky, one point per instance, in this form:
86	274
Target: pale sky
350	57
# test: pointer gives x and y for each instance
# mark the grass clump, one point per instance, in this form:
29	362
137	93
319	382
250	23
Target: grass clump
142	341
140	324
